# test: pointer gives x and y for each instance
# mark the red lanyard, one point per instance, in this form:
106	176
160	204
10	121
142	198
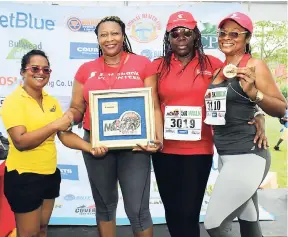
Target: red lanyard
112	77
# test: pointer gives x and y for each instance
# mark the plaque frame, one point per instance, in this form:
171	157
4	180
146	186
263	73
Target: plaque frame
95	98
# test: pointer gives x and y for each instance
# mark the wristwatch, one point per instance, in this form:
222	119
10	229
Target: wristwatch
259	97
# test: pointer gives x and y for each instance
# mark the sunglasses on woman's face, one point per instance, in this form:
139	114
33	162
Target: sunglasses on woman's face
37	69
177	33
231	34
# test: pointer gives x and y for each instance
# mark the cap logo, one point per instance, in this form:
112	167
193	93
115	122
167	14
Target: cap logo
180	16
234	15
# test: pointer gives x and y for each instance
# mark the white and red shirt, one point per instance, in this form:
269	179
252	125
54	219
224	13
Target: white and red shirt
96	75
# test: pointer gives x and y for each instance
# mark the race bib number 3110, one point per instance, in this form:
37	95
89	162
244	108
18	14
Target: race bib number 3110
183	123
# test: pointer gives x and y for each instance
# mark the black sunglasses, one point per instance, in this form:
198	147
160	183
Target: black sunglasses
231	34
177	33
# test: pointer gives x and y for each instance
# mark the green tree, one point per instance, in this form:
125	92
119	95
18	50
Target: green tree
270	42
271	45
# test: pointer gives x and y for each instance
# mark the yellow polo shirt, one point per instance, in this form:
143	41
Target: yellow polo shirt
21	109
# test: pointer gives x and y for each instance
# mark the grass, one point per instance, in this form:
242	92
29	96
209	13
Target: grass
279	158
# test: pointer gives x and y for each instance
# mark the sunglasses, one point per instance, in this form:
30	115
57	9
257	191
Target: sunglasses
37	69
177	33
231	34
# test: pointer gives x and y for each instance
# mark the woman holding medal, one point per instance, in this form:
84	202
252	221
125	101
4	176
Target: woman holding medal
230	103
117	68
183	166
32	118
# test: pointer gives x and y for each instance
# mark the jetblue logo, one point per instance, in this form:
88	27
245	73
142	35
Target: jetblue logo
69	172
83	50
23	20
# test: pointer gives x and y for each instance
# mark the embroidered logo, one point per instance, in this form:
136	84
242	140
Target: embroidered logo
92	75
53	109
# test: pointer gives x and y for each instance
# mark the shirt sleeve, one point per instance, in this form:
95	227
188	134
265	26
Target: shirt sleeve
81	74
12	113
152	68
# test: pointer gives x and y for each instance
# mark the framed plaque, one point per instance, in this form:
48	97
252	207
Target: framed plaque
121	118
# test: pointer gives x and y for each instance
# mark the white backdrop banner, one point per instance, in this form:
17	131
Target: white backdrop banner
66	34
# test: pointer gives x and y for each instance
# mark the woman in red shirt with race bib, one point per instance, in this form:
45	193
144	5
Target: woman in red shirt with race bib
183	166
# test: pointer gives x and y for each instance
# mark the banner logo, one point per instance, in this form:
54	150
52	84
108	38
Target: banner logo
144	28
209	36
20	48
84	210
151	54
26	20
83	50
10	80
82	25
71	197
69	172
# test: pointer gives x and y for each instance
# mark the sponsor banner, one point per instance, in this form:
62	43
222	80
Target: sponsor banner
66	34
26	20
83	50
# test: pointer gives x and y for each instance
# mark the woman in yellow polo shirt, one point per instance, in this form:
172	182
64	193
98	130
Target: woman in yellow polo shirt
32	118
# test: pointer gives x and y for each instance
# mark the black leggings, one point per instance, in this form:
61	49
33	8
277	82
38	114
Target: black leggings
181	181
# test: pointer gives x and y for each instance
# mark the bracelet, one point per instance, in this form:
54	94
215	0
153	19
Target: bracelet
259	112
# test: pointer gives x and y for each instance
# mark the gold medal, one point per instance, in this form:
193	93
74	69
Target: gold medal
230	71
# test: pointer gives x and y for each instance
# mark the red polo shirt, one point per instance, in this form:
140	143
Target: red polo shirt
186	88
95	75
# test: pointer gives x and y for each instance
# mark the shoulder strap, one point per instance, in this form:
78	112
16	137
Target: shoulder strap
244	60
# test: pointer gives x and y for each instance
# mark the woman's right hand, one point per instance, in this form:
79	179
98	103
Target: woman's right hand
62	124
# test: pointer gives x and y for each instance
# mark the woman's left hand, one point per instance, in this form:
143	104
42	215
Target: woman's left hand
247	77
260	138
151	147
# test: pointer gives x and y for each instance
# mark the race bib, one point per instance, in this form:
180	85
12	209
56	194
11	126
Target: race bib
183	123
215	101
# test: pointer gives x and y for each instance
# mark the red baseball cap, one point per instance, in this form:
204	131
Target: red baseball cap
240	18
181	19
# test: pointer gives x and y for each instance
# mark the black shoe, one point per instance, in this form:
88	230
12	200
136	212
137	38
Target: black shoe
276	148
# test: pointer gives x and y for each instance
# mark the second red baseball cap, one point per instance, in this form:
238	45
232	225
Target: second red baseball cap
240	18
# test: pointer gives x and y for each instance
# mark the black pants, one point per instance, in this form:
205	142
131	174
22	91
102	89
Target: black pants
181	182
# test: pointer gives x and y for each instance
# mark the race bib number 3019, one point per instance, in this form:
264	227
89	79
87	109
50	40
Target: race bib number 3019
183	123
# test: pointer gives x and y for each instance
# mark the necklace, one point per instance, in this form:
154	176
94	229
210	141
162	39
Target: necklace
111	63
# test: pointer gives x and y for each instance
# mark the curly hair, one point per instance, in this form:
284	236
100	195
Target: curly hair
126	44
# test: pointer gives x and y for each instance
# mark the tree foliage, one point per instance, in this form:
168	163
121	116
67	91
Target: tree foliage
271	41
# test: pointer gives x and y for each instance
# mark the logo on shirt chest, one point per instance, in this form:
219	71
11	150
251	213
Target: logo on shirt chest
53	109
120	76
205	73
